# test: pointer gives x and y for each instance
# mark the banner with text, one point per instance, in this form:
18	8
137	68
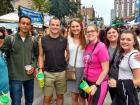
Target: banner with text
36	17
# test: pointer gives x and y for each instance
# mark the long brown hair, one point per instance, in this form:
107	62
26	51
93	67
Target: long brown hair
82	36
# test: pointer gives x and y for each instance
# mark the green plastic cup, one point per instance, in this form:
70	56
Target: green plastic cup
4	99
85	87
40	77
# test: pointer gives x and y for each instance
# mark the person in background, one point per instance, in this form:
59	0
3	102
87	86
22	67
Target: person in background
9	31
129	71
53	46
32	31
66	31
102	35
96	66
137	31
46	30
21	56
76	40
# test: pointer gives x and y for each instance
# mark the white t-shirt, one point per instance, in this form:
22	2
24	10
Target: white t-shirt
124	68
72	49
23	39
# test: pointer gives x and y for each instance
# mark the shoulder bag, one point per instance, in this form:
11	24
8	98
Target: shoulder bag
71	72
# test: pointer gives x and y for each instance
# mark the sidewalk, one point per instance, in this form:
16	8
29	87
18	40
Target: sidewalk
38	97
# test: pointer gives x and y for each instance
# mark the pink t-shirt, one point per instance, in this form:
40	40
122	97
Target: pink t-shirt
93	62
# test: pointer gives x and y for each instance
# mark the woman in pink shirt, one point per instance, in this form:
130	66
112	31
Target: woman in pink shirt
96	66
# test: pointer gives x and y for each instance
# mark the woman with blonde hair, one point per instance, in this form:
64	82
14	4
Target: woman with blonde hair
96	67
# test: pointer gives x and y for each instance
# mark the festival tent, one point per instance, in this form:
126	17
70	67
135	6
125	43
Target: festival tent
119	24
133	23
10	17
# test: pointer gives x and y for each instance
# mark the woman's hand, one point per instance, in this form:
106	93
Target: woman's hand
112	83
93	89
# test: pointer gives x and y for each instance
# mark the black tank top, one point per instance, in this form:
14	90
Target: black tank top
54	50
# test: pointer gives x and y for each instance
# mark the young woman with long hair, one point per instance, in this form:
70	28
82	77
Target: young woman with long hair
76	40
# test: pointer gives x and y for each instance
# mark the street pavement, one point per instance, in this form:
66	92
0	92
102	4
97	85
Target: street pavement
38	97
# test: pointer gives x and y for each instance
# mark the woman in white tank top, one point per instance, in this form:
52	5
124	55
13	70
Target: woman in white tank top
76	40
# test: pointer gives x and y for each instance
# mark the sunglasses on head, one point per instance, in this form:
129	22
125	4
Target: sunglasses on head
2	37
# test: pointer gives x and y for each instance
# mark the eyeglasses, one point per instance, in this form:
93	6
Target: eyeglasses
91	31
2	37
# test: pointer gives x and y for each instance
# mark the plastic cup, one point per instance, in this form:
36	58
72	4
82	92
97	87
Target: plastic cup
28	67
40	77
4	100
85	87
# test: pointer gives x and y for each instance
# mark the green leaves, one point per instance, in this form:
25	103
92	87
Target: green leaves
62	8
58	8
41	6
6	7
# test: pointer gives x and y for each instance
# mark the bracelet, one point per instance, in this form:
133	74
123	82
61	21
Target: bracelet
41	68
96	85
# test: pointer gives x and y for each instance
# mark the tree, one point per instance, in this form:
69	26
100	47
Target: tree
6	7
62	8
41	5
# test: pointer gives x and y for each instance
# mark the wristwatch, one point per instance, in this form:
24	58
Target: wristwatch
96	85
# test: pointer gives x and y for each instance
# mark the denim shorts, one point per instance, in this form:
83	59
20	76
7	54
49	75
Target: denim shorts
55	80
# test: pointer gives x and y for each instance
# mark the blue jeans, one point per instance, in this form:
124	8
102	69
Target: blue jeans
16	91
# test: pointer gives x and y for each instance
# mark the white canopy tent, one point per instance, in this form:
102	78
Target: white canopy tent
133	23
11	17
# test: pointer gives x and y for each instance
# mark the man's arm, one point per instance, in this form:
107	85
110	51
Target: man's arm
67	54
41	56
34	52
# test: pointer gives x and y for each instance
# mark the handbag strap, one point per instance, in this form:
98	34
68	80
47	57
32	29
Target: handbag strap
91	54
76	56
129	60
113	59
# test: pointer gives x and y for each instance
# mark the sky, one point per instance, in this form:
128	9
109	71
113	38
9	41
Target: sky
102	8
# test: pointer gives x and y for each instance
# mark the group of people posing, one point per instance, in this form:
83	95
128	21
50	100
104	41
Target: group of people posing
113	65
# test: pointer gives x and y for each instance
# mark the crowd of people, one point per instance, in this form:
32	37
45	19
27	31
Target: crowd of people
108	59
